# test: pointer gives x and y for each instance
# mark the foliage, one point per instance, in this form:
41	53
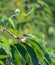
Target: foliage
30	51
24	25
37	15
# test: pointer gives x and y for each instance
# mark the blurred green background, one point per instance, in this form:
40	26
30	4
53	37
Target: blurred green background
34	17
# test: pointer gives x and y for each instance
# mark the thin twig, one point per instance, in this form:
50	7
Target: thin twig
4	29
13	15
30	12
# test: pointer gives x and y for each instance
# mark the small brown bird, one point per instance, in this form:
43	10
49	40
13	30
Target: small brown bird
22	38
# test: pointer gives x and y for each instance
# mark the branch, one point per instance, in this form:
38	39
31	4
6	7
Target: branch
30	12
13	15
4	29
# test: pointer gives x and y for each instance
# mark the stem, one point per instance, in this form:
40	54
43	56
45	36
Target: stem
13	15
30	12
4	29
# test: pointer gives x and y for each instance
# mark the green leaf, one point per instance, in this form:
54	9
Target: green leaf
6	46
46	61
12	23
36	48
4	40
4	21
23	14
1	63
21	51
12	31
18	60
14	58
2	51
3	56
32	54
43	50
